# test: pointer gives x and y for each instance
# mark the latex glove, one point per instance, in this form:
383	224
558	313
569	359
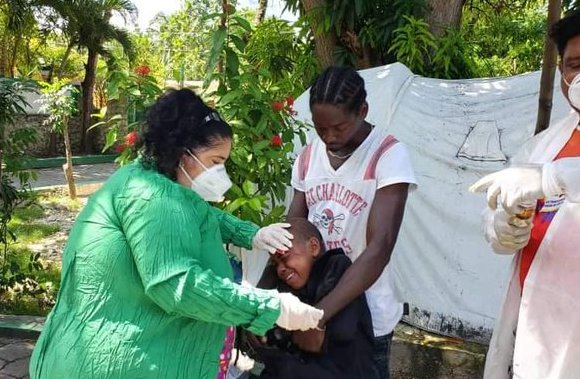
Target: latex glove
512	233
296	315
241	360
273	237
517	188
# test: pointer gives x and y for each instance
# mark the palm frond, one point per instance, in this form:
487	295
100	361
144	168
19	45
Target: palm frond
18	11
124	8
123	37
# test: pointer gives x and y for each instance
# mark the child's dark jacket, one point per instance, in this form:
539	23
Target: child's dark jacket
348	347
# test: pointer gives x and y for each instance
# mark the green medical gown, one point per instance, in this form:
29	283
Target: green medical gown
146	286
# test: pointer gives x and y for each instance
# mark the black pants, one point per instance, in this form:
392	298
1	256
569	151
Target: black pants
382	355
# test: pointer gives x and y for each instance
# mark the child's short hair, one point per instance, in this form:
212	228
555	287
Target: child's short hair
303	230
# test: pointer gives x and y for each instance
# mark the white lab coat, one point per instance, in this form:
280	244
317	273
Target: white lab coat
547	315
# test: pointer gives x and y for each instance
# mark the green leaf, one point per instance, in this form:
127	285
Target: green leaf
243	23
218	40
113	91
110	139
262	124
232	62
101	114
236	190
235	205
248	188
134	92
228	98
255	204
238	42
261	145
100	123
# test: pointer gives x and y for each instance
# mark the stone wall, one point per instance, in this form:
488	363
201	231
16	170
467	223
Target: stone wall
51	144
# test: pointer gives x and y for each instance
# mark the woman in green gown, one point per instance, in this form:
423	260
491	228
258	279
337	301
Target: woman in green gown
147	288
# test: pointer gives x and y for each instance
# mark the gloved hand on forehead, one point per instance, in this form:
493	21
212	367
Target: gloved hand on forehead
272	238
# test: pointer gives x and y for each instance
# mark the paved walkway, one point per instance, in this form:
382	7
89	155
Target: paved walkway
17	338
83	174
14	357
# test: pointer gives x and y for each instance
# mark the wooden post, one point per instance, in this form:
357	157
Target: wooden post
550	59
68	166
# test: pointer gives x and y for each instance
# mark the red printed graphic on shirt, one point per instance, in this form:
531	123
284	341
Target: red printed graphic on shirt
326	220
337	193
342	244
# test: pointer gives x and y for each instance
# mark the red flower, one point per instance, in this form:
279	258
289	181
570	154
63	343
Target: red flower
290	101
131	138
276	141
277	106
120	148
143	70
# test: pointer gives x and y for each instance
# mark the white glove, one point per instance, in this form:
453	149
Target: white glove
273	237
296	315
511	232
241	361
518	188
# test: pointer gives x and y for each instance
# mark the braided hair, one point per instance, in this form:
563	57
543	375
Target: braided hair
177	121
340	86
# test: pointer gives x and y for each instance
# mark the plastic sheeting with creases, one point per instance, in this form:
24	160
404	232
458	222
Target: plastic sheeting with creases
456	131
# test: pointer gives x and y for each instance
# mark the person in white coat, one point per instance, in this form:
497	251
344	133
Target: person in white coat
537	335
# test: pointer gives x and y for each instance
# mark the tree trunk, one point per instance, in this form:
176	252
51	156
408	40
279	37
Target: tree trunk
550	60
444	14
223	24
68	166
64	58
324	41
88	86
350	40
4	54
12	64
261	14
1	149
52	143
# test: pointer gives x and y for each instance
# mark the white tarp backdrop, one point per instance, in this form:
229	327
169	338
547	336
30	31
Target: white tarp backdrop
456	131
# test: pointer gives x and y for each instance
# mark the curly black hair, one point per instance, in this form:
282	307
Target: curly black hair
177	121
564	30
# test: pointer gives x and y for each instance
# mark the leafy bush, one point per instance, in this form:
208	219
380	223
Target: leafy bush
18	277
255	94
505	42
412	44
29	283
448	57
136	90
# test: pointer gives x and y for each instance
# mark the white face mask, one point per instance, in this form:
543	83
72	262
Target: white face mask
574	91
212	183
